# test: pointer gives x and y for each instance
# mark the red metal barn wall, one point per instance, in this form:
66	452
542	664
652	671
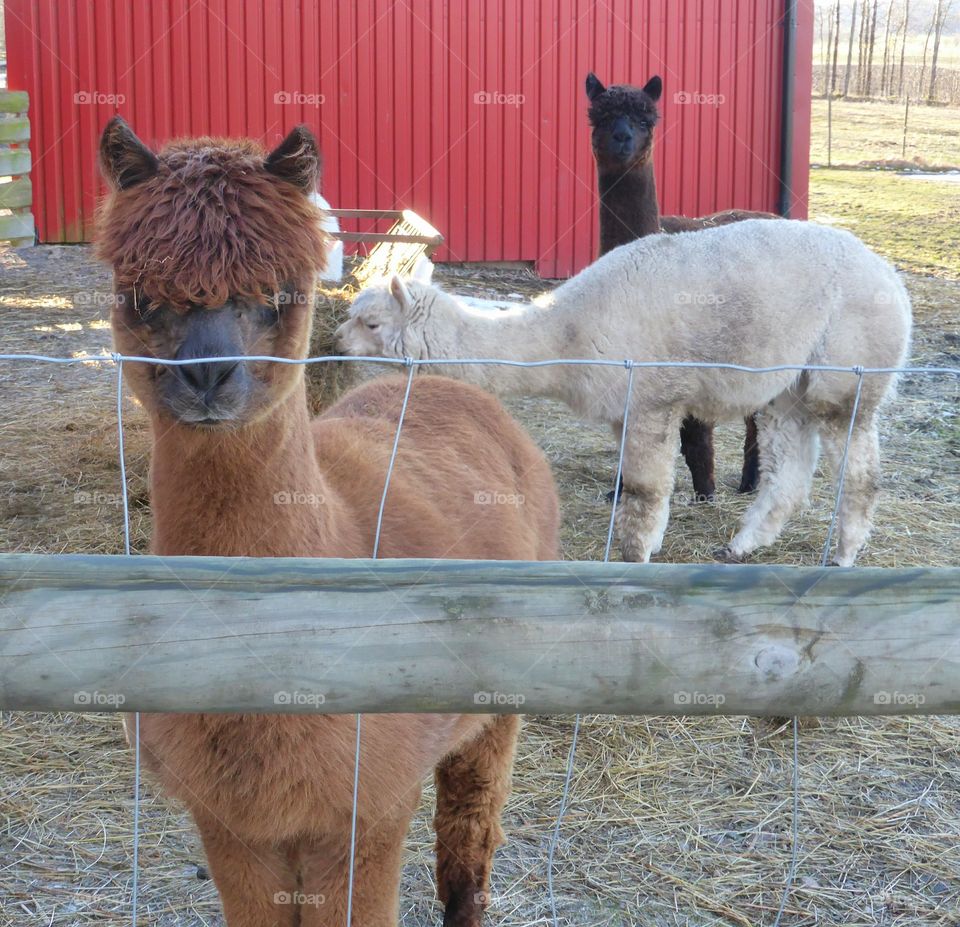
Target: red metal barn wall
471	112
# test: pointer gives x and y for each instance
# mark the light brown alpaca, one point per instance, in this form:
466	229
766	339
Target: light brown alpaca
214	248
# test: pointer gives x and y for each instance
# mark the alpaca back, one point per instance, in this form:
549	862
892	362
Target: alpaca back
467	482
754	293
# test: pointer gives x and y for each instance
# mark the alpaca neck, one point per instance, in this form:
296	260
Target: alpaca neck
628	206
256	491
525	333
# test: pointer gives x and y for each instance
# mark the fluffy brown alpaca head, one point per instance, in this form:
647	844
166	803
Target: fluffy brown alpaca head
215	246
623	119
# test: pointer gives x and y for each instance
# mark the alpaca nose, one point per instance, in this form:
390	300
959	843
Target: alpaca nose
206	377
210	333
622	132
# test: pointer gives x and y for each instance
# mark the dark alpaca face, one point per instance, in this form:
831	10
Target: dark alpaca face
623	119
243	299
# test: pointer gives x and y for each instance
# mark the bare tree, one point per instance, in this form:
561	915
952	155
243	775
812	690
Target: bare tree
836	47
871	43
818	16
884	91
862	45
940	19
853	29
903	46
926	46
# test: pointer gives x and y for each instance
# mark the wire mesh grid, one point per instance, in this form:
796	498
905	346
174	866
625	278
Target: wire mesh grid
412	366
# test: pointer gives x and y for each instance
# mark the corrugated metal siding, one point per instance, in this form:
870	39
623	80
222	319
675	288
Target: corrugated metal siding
391	90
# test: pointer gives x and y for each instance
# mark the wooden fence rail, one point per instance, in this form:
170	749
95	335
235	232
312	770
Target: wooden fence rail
99	633
16	191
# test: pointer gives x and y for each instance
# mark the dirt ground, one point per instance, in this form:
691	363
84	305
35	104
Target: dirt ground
671	821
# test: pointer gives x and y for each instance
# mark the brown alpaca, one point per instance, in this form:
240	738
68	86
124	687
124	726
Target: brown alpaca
623	119
215	248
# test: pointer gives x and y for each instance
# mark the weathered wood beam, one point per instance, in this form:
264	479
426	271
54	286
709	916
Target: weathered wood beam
185	634
17	228
14	101
14	129
16	194
14	161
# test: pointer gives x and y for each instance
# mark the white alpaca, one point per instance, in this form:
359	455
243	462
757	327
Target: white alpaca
756	293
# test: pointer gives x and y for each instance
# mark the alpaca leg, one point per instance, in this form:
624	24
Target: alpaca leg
750	476
257	883
861	486
647	484
325	870
789	448
472	786
696	445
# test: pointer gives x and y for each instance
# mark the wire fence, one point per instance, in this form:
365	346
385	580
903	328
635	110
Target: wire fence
412	365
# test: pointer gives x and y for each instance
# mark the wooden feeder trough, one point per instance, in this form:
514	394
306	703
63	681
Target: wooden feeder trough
395	251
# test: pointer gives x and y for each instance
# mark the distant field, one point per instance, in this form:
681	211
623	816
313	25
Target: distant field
949	56
913	222
874	132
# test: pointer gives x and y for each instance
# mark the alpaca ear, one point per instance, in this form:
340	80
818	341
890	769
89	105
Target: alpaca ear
296	159
399	291
423	270
594	87
124	160
653	88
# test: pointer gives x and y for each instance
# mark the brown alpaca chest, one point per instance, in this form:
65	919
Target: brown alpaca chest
281	777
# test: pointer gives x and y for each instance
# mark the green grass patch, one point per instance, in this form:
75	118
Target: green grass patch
913	222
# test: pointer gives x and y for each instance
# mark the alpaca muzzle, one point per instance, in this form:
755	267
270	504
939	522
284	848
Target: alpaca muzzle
209	392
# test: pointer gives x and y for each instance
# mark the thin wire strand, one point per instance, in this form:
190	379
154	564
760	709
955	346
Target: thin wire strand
623	445
493	361
135	887
376	550
571	756
795	778
795	825
555	838
841	476
123	463
353	825
393	459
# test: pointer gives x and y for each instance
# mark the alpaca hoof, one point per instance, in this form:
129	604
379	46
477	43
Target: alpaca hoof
203	873
610	497
747	487
726	555
632	554
465	909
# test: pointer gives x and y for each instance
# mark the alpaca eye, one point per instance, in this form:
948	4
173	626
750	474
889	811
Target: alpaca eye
373	326
147	313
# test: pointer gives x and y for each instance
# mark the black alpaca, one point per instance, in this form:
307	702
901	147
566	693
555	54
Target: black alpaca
623	119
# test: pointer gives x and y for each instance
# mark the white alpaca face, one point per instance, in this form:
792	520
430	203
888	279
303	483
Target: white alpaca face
379	323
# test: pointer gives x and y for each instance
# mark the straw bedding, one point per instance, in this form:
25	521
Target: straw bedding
671	821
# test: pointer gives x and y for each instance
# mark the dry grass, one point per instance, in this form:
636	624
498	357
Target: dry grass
671	821
873	131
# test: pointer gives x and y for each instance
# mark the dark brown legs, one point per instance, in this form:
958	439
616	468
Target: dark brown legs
696	445
472	786
750	478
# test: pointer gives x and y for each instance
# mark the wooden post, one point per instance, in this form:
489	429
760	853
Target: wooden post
906	117
16	193
100	633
